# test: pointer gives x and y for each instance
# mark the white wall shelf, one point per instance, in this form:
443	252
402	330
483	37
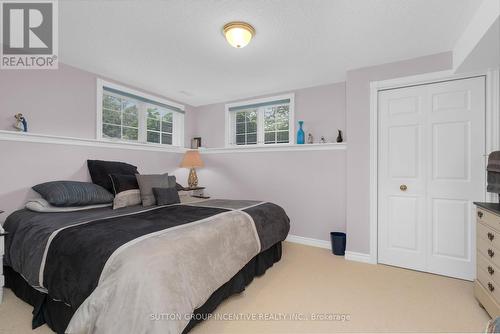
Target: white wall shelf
61	140
6	135
275	148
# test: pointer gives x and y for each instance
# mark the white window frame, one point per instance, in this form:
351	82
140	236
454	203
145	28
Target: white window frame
177	118
260	121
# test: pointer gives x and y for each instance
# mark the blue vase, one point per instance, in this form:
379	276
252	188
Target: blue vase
301	136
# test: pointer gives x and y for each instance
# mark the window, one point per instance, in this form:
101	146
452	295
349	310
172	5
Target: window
260	122
131	116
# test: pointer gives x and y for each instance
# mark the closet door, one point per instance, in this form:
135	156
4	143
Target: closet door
431	169
456	174
401	183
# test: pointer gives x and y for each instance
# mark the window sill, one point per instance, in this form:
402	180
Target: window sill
52	139
275	148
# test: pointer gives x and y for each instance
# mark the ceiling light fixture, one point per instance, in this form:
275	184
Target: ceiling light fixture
238	34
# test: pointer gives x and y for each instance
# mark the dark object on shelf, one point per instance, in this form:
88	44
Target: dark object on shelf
339	137
204	197
196	142
338	242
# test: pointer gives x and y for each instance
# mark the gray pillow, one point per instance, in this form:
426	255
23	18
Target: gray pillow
41	205
166	196
148	182
73	193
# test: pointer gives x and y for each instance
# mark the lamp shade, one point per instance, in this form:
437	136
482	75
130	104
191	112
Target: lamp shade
192	159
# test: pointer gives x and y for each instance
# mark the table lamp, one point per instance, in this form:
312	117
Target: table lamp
192	159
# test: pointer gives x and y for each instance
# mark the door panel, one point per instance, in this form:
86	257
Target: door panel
403	223
458	173
401	237
404	144
431	169
450	151
450	229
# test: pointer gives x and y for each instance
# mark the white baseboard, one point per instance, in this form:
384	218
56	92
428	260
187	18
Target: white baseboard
308	241
359	257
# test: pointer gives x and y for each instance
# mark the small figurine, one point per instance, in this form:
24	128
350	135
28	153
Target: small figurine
310	138
21	123
339	137
322	140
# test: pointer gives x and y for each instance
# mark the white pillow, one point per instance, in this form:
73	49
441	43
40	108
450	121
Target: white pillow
127	198
185	197
41	205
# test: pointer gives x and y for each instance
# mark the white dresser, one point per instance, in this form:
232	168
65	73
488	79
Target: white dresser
487	284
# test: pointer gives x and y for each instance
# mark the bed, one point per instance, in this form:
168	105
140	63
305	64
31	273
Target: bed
136	269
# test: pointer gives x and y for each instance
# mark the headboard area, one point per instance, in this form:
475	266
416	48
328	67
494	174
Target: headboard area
24	164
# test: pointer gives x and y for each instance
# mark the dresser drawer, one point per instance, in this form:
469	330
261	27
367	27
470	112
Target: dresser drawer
489	251
488	218
488	234
492	288
485	265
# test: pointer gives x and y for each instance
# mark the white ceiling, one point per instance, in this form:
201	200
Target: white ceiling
176	48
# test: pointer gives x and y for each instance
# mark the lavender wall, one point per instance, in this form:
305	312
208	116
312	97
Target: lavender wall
57	102
310	185
358	129
321	108
26	164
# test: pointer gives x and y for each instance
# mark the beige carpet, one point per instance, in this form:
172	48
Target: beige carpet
312	282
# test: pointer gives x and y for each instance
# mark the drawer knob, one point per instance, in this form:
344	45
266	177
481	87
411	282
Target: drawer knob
491	270
480	214
491	287
491	253
491	236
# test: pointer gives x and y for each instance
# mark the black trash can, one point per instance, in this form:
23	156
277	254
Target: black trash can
338	242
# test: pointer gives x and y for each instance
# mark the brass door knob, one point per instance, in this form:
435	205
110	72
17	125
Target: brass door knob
491	253
491	236
491	287
480	214
403	187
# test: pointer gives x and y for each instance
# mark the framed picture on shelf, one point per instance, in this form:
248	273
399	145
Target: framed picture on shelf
196	142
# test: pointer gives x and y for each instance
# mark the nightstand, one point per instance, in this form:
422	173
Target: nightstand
197	192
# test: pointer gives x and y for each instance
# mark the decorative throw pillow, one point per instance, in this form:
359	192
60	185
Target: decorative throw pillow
41	205
100	170
73	193
166	196
122	182
127	198
148	182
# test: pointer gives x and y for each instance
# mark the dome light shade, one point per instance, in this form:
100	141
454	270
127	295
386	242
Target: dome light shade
238	34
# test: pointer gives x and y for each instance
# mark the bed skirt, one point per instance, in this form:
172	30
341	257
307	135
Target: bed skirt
57	315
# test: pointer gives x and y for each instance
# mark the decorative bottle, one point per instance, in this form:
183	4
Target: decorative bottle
339	137
300	134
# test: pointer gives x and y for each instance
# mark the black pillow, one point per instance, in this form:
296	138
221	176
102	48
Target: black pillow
166	196
122	182
178	187
99	171
72	193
